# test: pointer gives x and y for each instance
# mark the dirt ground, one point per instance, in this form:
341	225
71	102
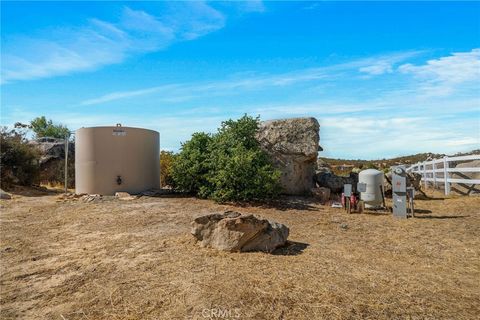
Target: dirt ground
115	259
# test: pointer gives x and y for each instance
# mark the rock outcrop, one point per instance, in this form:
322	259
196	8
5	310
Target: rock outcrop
293	147
323	166
53	149
233	231
333	182
52	160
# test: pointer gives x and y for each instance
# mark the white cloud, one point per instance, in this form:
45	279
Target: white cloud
444	75
34	58
100	43
142	21
126	94
384	64
387	121
250	82
193	19
377	69
374	137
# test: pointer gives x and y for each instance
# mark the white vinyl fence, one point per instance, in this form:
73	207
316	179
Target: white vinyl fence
439	171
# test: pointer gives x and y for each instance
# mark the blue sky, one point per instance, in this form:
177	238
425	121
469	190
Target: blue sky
383	78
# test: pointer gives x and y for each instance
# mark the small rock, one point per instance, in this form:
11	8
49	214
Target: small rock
336	205
5	195
344	226
69	196
124	196
91	197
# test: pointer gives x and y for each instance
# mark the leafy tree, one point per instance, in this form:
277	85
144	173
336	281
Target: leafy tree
45	128
19	159
227	166
167	159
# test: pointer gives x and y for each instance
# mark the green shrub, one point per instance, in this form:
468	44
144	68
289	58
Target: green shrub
19	159
227	166
189	171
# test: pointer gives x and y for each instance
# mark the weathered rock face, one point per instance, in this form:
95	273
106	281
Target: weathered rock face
53	149
233	231
52	160
323	166
333	182
293	147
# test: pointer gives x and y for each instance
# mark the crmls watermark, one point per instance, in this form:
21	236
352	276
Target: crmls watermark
221	313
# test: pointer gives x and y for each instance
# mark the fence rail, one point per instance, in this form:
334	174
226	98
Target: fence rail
439	171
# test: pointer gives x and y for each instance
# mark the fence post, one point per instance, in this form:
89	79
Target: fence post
434	175
445	175
424	175
66	162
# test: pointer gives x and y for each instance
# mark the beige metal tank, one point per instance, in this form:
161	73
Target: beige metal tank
112	159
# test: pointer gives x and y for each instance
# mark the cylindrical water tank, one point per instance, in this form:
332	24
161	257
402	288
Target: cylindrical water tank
373	195
112	159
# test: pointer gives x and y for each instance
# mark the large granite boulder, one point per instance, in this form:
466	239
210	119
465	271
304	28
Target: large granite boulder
333	182
53	149
52	160
293	147
233	231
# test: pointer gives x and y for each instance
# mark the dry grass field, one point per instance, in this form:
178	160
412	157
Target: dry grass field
115	259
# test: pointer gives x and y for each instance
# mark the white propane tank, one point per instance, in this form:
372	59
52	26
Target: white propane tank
373	195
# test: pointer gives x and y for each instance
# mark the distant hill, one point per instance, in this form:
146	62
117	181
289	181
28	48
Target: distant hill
344	166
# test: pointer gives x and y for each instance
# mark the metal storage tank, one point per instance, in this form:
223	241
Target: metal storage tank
373	195
112	159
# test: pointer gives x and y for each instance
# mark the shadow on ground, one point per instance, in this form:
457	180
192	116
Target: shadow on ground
422	211
291	248
285	203
440	217
33	191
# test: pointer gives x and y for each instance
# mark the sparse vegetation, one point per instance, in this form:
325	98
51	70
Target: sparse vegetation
136	260
345	166
53	172
166	162
228	165
19	159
